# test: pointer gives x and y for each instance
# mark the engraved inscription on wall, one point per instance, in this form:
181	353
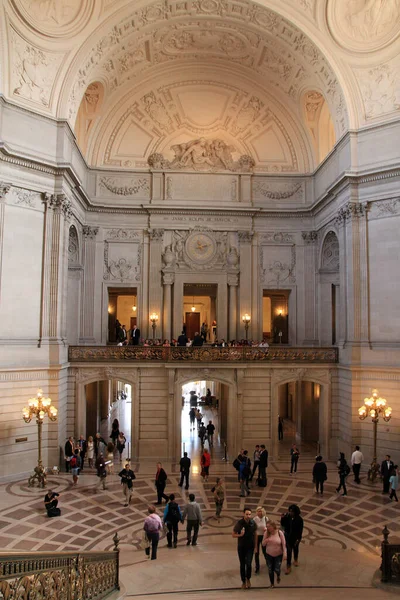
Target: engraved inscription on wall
223	188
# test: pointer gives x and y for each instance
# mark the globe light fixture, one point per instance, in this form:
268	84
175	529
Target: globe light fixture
376	408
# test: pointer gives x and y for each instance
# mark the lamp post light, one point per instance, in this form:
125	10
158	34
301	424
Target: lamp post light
154	319
375	407
246	320
37	408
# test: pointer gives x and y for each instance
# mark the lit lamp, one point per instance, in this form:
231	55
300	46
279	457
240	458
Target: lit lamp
154	319
38	408
246	320
375	407
193	306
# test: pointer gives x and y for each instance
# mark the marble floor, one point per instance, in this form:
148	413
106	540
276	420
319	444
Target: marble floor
340	547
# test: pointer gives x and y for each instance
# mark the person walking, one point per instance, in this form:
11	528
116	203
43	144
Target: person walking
161	482
256	461
386	468
194	520
75	464
262	482
343	470
172	517
210	433
245	531
202	434
152	526
127	477
205	462
275	546
280	428
292	524
192	417
261	521
394	483
184	465
356	461
244	473
82	450
121	441
101	471
219	496
294	458
320	474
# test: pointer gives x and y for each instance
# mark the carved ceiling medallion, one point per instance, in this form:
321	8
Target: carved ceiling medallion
55	18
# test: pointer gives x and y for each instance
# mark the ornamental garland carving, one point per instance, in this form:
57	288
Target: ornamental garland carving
385	208
202	155
121	234
134	187
277	237
281	192
25	197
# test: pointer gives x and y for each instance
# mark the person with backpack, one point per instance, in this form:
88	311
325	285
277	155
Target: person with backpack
343	470
292	524
75	464
127	477
172	517
101	471
244	474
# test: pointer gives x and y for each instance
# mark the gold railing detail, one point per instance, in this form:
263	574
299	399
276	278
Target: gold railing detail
202	354
64	576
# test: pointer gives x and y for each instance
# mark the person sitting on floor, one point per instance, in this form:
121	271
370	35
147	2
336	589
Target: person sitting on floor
50	502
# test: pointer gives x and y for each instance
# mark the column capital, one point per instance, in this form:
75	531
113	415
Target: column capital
233	279
168	278
245	237
4	189
89	232
156	235
309	237
351	211
59	203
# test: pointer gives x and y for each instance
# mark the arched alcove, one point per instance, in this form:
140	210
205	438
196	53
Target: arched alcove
329	266
73	286
319	123
88	111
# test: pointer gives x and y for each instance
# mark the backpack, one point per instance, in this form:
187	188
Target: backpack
73	462
236	464
347	470
173	513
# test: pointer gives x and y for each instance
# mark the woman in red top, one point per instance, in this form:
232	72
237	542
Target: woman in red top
205	462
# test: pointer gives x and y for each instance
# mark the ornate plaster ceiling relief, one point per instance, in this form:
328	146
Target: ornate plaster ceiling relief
380	89
55	18
34	71
364	25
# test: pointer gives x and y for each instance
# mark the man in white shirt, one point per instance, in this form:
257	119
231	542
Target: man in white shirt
356	460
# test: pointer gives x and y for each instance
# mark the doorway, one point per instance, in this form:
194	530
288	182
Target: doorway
276	316
299	407
200	309
192	322
122	309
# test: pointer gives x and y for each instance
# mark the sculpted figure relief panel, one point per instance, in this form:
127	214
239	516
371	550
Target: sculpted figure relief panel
55	17
200	248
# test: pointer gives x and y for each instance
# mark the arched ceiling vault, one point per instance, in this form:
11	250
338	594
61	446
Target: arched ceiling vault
343	49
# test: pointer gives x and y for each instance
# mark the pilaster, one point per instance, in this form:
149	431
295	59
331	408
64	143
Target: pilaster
233	281
310	317
168	280
155	285
88	284
245	305
4	189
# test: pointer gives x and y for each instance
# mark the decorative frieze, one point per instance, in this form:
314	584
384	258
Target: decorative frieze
90	232
277	265
121	234
136	186
122	268
309	237
276	238
245	237
385	208
278	191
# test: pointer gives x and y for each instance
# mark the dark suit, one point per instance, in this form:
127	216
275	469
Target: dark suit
82	451
161	481
135	337
182	340
198	340
184	464
68	451
319	475
262	469
386	467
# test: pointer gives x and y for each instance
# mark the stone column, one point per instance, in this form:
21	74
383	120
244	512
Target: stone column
155	284
88	284
4	189
245	304
310	317
233	281
168	280
55	264
341	325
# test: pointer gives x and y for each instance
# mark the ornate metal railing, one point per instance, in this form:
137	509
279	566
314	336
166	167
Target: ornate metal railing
61	576
202	354
390	566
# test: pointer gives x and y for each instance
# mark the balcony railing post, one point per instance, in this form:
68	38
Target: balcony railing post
385	564
116	541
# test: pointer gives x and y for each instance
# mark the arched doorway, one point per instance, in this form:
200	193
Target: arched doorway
299	407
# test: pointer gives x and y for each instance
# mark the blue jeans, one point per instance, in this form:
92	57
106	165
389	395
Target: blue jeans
274	566
153	538
245	559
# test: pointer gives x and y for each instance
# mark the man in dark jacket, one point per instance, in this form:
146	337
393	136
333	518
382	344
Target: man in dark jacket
292	524
319	474
197	340
184	465
262	482
182	340
386	468
161	482
172	516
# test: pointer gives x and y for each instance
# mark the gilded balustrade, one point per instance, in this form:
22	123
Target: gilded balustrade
61	576
203	354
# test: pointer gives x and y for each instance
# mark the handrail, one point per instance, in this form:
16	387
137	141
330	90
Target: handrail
65	575
203	354
390	566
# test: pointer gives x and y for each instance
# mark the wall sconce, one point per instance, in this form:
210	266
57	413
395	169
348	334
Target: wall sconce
110	310
280	312
246	320
154	319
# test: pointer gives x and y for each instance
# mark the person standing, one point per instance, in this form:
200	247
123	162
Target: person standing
69	452
394	483
184	465
219	496
263	466
134	336
275	546
194	519
193	399
256	460
210	433
244	472
202	434
127	477
182	340
172	517
320	474
294	458
192	417
205	462
292	524
161	482
75	464
99	445
343	470
245	531
280	428
121	441
101	471
197	340
152	526
386	468
90	451
261	521
356	461
82	450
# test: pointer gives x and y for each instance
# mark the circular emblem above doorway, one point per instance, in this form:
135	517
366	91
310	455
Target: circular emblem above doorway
200	248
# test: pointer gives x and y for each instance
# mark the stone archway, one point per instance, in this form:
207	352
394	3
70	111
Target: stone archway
328	301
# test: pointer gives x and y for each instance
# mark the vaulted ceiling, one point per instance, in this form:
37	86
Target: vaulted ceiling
280	81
